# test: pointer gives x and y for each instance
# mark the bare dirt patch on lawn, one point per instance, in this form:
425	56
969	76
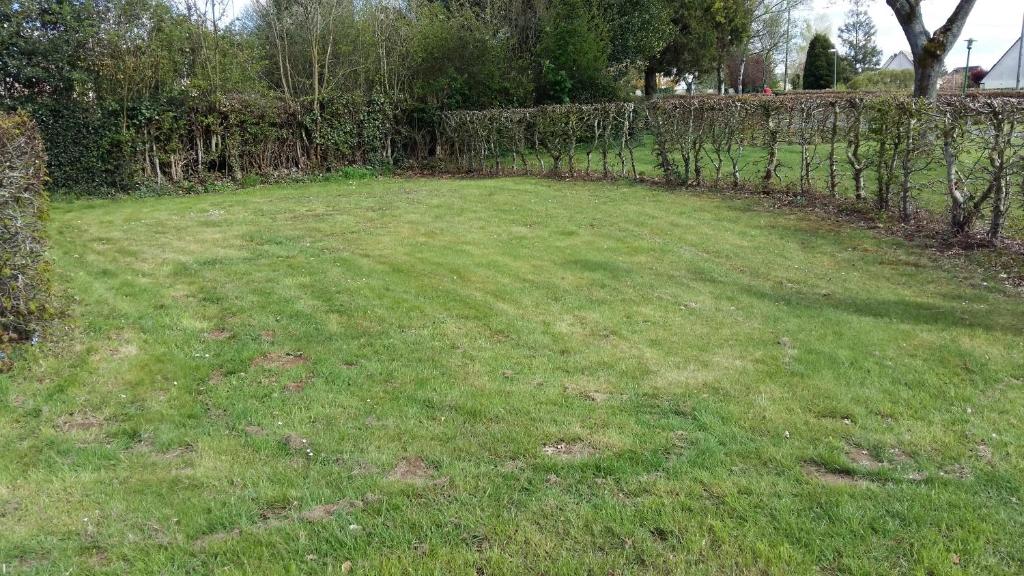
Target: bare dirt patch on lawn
297	386
204	541
412	469
863	458
280	360
569	450
218	334
328	511
832	478
79	422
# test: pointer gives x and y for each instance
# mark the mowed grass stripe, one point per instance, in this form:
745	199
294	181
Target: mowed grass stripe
508	376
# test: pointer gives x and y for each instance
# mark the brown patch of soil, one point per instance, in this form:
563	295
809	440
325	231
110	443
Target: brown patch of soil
122	350
822	474
597	396
216	377
362	468
568	450
327	511
985	452
219	334
79	421
179	451
204	541
297	386
958	471
9	507
99	559
267	335
513	465
412	469
254	431
279	360
898	456
272	515
862	458
297	443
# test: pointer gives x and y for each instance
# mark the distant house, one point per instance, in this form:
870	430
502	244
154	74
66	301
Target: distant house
899	61
954	80
1003	75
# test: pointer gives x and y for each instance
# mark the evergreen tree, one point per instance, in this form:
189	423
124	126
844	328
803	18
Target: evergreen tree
858	37
690	49
818	71
573	55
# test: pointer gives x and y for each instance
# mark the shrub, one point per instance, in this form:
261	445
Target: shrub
24	288
884	81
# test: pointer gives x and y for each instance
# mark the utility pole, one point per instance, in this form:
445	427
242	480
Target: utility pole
1020	53
967	69
835	68
789	43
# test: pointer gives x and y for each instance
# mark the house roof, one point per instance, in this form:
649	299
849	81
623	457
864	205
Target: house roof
1003	73
899	61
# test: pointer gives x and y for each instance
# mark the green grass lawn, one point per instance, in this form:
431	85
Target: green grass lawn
509	376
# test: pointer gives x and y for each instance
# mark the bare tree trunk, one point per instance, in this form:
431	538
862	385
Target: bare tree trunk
926	79
929	49
650	81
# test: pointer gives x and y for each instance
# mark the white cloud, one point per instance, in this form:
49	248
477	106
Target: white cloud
994	24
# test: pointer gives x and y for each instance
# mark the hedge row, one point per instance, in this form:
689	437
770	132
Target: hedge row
97	150
971	148
24	287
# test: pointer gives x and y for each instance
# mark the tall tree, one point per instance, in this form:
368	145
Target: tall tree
769	34
689	51
638	30
929	49
732	27
573	54
858	37
818	71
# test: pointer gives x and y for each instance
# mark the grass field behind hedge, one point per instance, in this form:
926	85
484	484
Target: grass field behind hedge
508	377
928	193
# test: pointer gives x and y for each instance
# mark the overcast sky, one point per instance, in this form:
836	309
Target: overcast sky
995	24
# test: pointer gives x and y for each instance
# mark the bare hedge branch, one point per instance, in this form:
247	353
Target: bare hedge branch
726	140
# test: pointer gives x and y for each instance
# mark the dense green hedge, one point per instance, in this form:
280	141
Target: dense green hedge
99	150
24	287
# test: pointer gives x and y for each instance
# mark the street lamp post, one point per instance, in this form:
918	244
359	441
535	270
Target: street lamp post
835	69
967	69
789	42
1020	54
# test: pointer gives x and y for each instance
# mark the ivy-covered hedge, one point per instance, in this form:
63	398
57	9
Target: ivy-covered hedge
24	287
885	146
97	150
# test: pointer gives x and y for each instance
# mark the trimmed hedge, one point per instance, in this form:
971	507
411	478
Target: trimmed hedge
24	285
976	143
185	142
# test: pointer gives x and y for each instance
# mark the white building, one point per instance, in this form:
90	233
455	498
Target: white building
1003	75
899	61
